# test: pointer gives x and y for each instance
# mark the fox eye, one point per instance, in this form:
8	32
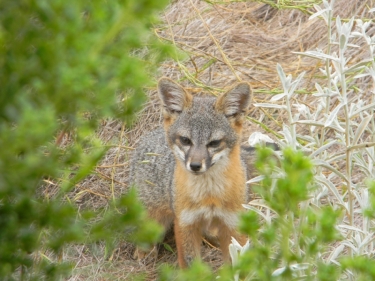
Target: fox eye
214	143
185	141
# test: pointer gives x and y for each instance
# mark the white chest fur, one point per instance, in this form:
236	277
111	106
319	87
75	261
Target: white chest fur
206	215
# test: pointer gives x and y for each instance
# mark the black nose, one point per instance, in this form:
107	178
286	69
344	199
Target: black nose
195	166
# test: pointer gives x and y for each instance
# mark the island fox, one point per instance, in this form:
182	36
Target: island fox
191	174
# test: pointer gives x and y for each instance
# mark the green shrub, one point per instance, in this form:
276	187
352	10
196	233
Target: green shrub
64	66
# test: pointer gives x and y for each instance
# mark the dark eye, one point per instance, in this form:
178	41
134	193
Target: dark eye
185	141
214	143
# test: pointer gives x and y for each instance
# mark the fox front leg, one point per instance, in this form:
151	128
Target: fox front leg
225	238
188	242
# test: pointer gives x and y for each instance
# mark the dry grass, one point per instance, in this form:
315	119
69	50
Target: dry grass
224	43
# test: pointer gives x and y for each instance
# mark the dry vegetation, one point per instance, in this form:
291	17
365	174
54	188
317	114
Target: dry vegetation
223	43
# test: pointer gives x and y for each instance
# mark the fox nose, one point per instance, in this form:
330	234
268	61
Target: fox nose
195	166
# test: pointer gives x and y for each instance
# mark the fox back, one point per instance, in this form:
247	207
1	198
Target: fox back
192	173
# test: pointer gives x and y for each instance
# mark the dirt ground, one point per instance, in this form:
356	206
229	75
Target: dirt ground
222	43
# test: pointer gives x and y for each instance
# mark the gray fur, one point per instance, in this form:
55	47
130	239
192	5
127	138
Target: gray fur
151	171
201	123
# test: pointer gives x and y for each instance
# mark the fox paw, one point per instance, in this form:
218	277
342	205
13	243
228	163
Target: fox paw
142	255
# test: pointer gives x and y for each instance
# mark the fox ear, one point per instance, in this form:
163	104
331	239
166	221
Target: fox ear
235	101
173	97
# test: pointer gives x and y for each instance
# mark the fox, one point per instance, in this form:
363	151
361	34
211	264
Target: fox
191	174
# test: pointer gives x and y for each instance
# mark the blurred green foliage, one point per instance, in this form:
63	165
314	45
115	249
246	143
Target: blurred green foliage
65	65
197	271
287	245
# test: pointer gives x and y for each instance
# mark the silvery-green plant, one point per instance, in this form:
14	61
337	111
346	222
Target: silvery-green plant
340	143
235	251
352	120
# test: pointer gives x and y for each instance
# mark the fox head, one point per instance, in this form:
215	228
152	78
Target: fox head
202	131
